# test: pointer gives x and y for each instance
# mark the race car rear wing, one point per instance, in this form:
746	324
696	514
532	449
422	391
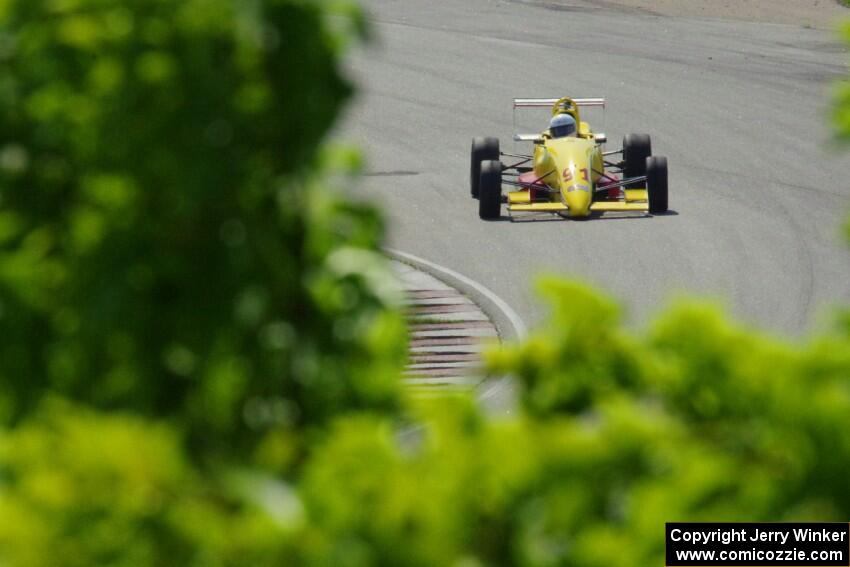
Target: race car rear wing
547	103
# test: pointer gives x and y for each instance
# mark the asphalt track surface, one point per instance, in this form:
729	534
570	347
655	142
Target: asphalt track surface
740	109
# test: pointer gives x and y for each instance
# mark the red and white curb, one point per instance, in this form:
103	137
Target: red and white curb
496	394
448	332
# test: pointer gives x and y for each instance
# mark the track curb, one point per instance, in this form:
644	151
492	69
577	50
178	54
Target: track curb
497	394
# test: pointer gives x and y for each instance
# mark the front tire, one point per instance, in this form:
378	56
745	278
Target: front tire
483	149
490	190
656	184
636	148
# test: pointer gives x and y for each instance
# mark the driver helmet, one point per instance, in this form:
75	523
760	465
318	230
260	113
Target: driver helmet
562	125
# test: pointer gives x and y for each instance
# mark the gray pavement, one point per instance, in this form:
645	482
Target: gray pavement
739	108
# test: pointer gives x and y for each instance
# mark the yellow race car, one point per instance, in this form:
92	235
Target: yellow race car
568	172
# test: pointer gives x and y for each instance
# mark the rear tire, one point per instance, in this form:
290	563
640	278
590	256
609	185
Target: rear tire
490	190
636	148
656	184
483	149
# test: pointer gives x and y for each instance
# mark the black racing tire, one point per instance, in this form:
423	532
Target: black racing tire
483	149
636	148
656	184
490	193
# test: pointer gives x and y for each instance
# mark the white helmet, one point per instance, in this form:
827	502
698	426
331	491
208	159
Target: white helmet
562	125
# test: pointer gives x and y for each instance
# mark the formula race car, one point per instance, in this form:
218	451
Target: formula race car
568	172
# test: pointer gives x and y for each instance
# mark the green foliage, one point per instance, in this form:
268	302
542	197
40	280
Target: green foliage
584	356
73	494
165	245
183	296
696	419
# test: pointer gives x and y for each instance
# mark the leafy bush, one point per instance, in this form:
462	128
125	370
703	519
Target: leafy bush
182	295
695	420
164	248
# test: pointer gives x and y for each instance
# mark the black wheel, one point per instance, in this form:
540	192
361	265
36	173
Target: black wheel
656	183
636	148
490	190
483	149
